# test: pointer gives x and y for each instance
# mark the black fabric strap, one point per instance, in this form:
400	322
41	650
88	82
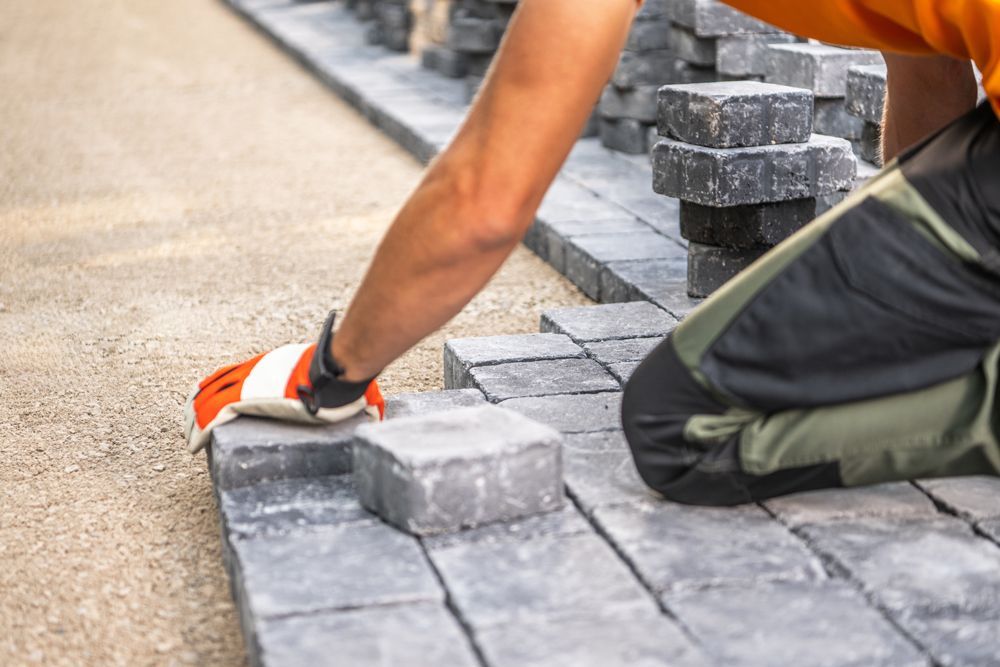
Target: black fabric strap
328	390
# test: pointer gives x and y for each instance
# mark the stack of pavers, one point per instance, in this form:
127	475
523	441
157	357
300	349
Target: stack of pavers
742	160
865	97
474	35
392	24
679	41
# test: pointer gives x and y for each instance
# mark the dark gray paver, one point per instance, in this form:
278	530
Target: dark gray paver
422	403
469	34
558	235
746	55
561	522
250	450
866	91
623	371
541	378
568	201
745	226
608	322
710	18
444	61
817	624
647	35
646	68
830	116
974	498
691	48
627	135
495	583
409	635
352	565
730	114
658	280
461	355
598	441
895	500
619	351
587	256
733	545
444	471
710	266
638	103
603	477
577	413
818	67
752	175
624	640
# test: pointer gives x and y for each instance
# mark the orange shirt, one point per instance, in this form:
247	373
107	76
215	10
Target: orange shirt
967	29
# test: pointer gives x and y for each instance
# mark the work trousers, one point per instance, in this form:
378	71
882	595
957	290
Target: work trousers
865	348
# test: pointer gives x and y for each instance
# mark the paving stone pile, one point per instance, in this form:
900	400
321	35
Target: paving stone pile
743	161
865	97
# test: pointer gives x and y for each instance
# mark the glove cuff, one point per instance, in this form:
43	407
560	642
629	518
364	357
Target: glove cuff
328	390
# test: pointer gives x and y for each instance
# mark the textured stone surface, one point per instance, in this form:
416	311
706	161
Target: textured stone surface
752	175
608	322
410	635
818	67
643	639
746	55
645	68
733	545
638	103
603	477
710	267
623	371
689	47
644	280
870	146
729	114
421	403
896	500
562	522
974	498
461	355
352	565
648	35
710	18
619	351
866	92
250	450
557	235
496	583
577	413
586	256
624	134
960	641
830	117
820	625
541	378
745	226
568	201
440	472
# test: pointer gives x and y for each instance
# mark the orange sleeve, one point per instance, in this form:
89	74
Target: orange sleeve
967	29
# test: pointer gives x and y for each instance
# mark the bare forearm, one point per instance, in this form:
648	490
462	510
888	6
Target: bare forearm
478	199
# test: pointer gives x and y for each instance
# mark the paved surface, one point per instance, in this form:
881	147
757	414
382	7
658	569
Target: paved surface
899	574
172	192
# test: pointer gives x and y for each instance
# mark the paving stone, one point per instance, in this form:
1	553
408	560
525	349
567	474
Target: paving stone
444	61
613	442
624	640
709	18
272	508
624	134
917	567
623	371
654	10
421	403
895	500
559	234
572	413
541	378
496	583
870	146
974	498
688	46
411	635
991	529
608	322
250	450
622	282
755	226
646	68
816	624
729	114
676	301
619	351
958	642
710	267
469	34
461	355
586	256
746	55
830	116
599	478
752	175
562	522
733	545
866	91
440	472
638	103
353	565
567	201
818	67
648	35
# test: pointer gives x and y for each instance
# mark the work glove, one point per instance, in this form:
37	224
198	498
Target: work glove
291	383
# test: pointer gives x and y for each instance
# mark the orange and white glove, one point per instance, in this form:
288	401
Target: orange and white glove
290	383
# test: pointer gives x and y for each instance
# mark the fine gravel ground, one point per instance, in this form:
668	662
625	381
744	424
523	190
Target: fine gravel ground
175	194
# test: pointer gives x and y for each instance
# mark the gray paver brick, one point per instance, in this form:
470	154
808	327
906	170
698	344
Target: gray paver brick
410	635
567	201
558	235
745	226
746	55
689	47
815	624
587	256
752	175
644	281
562	522
623	371
421	403
495	583
866	91
444	471
646	68
250	450
353	565
958	642
444	61
638	103
577	413
896	500
624	134
818	67
729	114
619	351
734	545
624	640
541	378
469	34
604	477
608	322
710	18
461	355
830	117
974	498
648	36
710	267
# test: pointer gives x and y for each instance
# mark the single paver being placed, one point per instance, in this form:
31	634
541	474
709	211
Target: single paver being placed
609	322
444	471
461	355
572	413
541	378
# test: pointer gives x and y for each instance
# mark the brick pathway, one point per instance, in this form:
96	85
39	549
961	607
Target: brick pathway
898	574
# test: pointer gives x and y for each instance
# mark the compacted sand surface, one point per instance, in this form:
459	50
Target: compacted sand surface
175	194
